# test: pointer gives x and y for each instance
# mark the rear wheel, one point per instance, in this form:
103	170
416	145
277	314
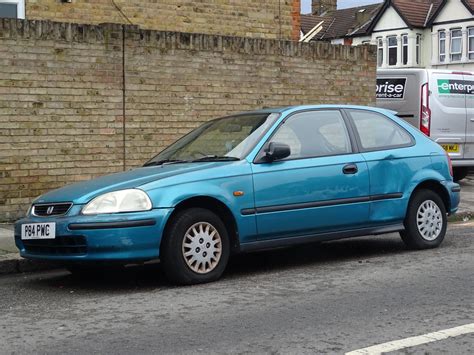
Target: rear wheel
425	222
460	173
195	248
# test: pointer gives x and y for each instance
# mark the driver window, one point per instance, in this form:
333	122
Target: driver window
314	134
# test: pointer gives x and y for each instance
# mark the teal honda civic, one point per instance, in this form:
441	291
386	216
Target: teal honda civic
250	181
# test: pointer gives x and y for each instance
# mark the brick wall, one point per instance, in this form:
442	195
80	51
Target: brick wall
246	18
61	98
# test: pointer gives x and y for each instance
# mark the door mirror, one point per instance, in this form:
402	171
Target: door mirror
277	151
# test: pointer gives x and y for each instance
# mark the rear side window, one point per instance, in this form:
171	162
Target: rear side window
377	132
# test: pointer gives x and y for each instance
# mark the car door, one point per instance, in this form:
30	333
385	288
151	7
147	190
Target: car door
447	102
392	162
322	186
469	146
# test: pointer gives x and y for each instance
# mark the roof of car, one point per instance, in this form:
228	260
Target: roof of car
312	107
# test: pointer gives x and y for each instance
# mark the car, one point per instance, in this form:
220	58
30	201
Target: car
250	181
439	103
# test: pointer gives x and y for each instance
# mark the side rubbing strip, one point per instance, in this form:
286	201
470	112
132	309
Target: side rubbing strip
385	196
248	211
325	203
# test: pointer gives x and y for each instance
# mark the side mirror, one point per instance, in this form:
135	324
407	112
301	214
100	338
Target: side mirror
277	151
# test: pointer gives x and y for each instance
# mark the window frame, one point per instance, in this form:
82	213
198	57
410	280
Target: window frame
380	57
20	7
377	149
469	49
451	53
443	31
418	49
259	157
395	46
404	37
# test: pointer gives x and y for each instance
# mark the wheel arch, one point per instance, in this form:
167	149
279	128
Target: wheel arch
434	186
214	205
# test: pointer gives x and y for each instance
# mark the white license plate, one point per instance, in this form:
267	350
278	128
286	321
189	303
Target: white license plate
38	231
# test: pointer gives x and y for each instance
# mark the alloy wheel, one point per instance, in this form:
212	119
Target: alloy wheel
202	247
429	220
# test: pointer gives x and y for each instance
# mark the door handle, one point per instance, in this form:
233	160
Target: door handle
472	119
350	169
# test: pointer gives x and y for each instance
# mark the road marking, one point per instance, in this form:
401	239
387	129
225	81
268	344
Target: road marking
414	341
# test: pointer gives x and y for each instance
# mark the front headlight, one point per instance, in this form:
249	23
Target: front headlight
132	200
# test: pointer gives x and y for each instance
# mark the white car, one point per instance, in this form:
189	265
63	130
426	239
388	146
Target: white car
438	102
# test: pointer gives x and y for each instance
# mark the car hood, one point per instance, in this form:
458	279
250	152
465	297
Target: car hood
83	192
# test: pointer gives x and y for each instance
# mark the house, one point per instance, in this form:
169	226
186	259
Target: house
407	33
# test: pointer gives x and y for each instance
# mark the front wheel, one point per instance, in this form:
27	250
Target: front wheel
195	248
425	222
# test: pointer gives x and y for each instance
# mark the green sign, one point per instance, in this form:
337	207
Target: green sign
454	86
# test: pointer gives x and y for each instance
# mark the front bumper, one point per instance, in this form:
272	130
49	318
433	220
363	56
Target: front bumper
125	237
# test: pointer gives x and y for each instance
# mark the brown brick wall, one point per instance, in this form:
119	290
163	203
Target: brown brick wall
246	18
61	96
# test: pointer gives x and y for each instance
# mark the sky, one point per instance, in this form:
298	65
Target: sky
341	4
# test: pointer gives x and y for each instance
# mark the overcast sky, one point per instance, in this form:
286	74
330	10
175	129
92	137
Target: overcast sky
341	4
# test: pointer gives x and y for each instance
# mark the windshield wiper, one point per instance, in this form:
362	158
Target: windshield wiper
215	158
164	161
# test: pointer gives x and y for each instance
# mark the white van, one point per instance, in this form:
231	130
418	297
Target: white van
438	102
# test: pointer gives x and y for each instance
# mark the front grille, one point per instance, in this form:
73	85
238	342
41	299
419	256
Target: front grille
51	209
66	245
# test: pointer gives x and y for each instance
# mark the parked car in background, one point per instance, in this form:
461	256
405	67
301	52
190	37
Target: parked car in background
438	102
252	181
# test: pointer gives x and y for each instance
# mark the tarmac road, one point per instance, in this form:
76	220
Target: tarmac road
327	298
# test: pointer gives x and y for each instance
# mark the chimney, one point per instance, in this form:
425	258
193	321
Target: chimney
319	7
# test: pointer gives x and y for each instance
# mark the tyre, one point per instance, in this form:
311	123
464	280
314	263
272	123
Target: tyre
459	173
425	222
195	248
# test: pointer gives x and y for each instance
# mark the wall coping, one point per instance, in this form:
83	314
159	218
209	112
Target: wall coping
107	33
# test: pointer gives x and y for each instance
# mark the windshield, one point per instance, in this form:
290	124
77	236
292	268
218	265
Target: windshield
227	138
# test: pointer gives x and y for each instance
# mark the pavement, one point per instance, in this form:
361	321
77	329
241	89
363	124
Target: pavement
331	298
11	262
467	196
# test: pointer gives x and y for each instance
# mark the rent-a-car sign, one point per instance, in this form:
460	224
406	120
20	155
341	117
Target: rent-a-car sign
391	88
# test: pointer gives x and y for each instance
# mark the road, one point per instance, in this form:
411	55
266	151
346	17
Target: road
329	298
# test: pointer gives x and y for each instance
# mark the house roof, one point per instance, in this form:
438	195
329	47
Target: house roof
341	23
418	13
361	20
469	4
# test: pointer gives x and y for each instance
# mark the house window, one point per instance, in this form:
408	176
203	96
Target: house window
404	49
470	34
12	9
418	49
456	45
392	50
442	46
379	52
